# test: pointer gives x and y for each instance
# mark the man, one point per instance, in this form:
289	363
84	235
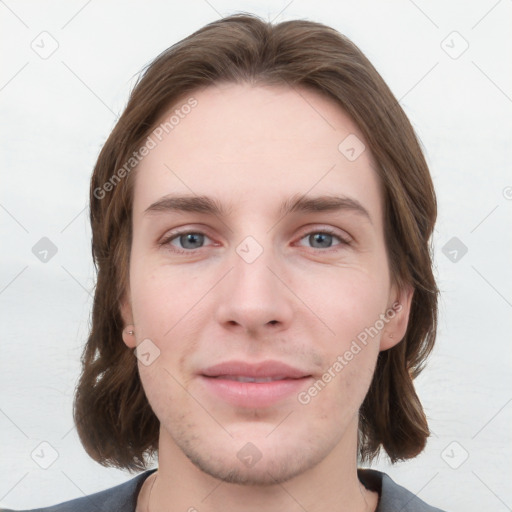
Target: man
261	219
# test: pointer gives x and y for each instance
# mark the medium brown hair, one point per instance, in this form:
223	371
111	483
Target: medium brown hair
114	420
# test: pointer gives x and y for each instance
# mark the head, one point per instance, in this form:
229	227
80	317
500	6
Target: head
258	117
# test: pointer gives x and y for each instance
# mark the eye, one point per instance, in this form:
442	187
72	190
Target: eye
323	239
185	242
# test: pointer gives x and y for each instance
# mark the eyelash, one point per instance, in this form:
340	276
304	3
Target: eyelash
325	231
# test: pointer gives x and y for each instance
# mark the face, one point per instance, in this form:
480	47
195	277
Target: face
259	285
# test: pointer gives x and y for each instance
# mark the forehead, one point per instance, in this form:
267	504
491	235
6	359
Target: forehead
251	145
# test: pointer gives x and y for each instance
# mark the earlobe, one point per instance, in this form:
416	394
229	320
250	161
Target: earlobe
127	316
398	314
129	336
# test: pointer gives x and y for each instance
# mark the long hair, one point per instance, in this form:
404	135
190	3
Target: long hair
115	422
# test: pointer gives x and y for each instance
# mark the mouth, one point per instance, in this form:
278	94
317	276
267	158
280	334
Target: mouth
253	385
241	378
270	369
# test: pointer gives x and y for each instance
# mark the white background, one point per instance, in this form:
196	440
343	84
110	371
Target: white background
56	114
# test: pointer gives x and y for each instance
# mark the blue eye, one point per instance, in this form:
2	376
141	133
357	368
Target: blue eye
189	241
323	239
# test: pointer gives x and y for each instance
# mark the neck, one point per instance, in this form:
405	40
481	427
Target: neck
332	484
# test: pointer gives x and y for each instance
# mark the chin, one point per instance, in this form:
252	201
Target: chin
266	471
253	456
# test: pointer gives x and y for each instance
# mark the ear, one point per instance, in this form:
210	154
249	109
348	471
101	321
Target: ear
398	317
125	309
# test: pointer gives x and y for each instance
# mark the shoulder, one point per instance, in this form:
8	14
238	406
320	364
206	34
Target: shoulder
393	496
121	498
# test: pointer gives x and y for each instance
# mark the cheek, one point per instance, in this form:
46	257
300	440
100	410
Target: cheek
349	303
162	315
337	404
347	300
168	310
162	298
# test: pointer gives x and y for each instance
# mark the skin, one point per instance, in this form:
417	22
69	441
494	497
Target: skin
302	301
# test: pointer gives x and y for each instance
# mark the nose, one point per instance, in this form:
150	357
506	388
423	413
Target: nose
253	299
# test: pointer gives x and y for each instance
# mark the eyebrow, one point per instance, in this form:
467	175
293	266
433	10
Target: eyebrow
295	204
195	204
326	203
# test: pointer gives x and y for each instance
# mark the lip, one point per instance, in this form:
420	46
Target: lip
288	380
263	369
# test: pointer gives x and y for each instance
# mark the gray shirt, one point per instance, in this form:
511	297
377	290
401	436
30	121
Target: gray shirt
123	497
